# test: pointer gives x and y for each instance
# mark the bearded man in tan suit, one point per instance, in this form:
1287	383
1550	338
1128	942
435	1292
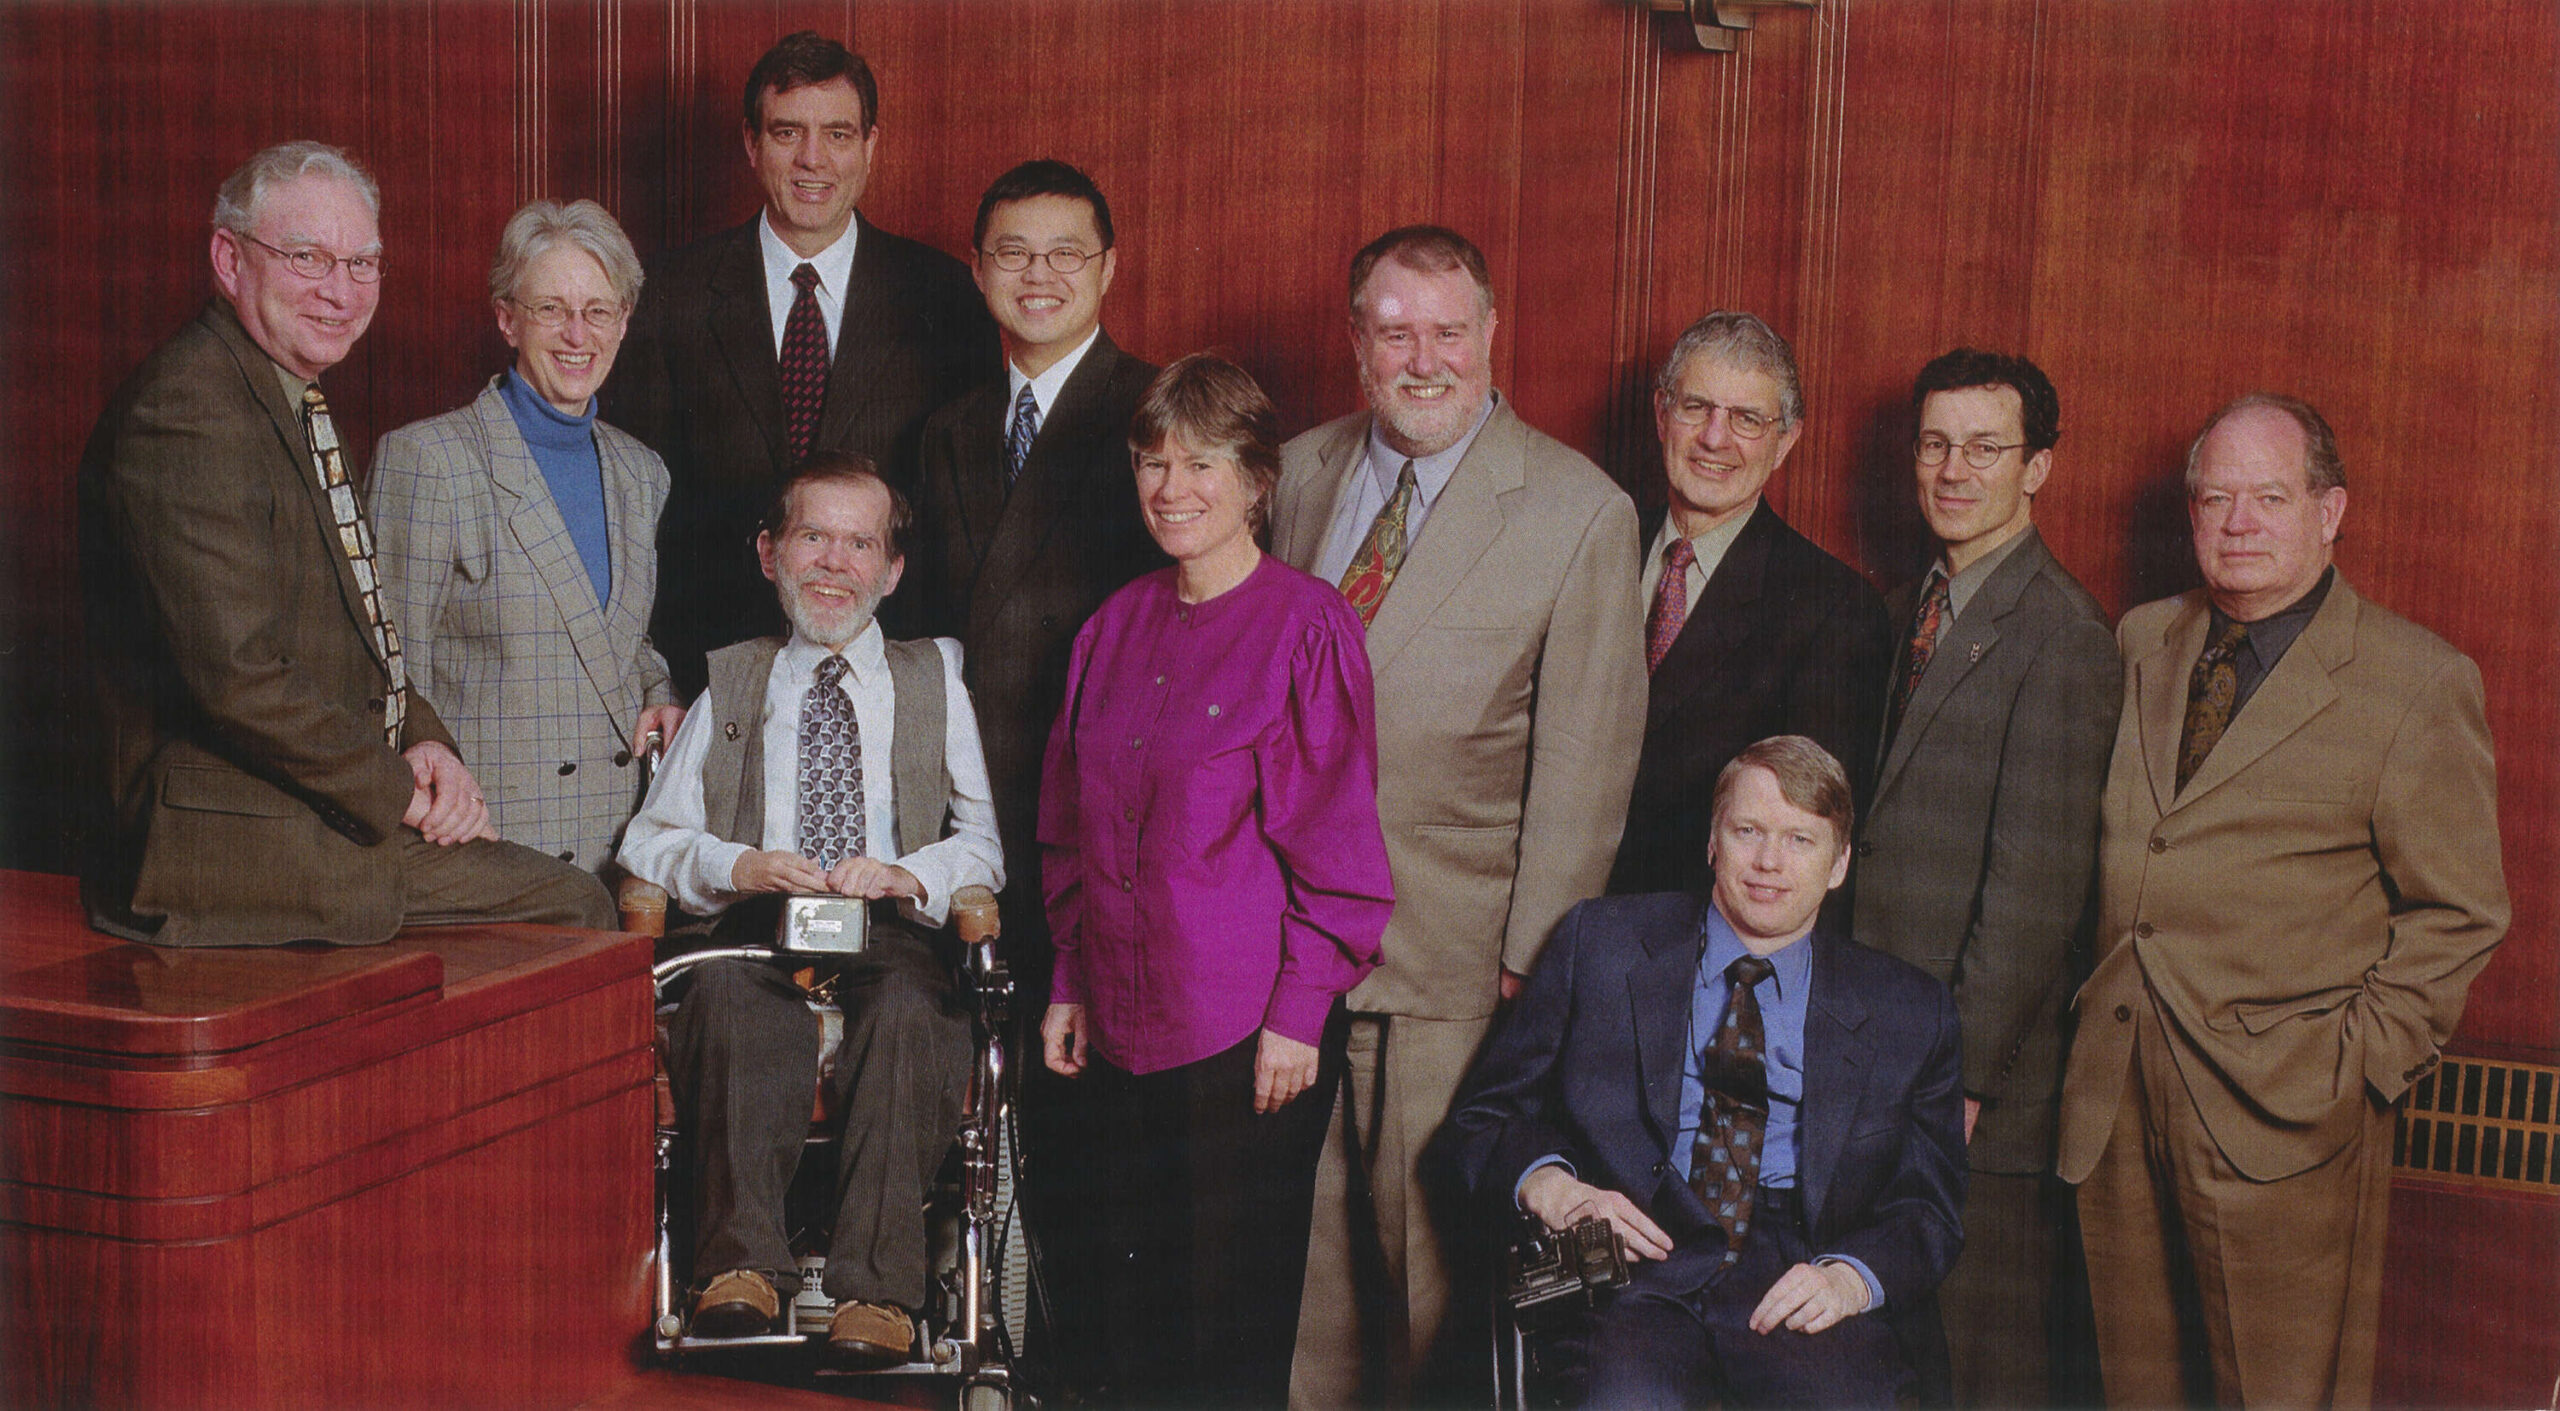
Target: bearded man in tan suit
1496	568
2299	877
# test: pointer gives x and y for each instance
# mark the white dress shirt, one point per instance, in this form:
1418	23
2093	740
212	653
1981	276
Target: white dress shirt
667	842
834	265
1710	548
1045	387
1373	483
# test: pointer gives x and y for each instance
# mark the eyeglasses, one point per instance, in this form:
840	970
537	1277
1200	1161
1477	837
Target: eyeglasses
1982	453
1066	259
1743	422
316	264
551	313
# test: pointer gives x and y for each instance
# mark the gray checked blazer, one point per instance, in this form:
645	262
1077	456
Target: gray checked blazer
540	685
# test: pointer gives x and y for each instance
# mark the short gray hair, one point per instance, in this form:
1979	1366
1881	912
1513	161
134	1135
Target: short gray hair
2322	471
235	206
1730	336
541	225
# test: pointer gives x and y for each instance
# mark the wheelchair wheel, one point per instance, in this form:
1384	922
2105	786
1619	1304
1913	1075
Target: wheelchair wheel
1013	1272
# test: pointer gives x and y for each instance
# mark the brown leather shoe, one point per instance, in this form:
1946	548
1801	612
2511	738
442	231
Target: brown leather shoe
871	1332
738	1304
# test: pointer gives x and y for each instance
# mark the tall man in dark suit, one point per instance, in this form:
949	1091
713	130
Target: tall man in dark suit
271	775
1496	569
1751	630
2298	877
1027	518
1768	1115
1977	853
805	329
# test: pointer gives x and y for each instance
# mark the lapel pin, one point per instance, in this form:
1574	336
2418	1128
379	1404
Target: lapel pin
1976	654
730	729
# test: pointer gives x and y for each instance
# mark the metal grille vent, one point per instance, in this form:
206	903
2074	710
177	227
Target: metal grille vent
2490	1124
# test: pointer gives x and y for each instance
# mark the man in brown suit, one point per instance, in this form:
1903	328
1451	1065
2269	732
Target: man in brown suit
1497	570
2299	876
271	775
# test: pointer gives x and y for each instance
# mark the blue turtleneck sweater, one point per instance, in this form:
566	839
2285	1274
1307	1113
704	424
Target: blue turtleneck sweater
565	447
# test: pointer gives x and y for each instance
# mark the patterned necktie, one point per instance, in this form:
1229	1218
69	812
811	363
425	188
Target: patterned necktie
1373	569
804	365
1670	603
355	539
1026	426
1724	1165
1925	627
830	821
2211	692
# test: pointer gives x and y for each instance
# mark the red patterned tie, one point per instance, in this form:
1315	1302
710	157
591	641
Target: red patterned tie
804	365
1670	603
1373	569
1925	626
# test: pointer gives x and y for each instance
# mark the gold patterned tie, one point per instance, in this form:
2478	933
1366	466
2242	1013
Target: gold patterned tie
355	539
1373	569
2211	692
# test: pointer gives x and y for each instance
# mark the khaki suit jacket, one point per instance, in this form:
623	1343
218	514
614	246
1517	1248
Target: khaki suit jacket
1509	660
541	684
250	796
2309	911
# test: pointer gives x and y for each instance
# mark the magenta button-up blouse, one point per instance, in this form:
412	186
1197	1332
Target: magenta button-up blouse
1209	840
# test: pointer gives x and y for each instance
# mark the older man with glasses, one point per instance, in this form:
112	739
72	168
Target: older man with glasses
274	774
1751	630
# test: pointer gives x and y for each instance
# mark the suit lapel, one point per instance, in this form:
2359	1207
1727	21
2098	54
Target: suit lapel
1463	523
2299	688
2160	696
863	337
1718	621
741	319
632	537
1059	454
534	521
1661	989
1963	649
1336	464
1837	1062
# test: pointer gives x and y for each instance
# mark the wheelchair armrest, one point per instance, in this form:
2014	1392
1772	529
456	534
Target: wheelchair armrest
643	906
974	915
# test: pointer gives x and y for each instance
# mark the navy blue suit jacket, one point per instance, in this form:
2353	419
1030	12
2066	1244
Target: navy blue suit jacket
1588	1064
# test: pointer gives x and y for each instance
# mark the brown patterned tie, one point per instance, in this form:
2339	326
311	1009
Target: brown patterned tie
804	365
355	540
1373	569
1724	1164
1670	603
2211	695
1926	624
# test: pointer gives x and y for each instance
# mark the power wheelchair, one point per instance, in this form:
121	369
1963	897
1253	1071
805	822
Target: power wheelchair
983	1279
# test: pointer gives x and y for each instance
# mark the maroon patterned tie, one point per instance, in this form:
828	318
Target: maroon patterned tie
1724	1164
1670	603
1925	627
804	365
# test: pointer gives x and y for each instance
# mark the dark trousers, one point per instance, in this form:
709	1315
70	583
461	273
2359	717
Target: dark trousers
744	1064
1204	1228
1679	1334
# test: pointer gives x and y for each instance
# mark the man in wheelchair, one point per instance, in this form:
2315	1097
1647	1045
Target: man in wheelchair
1767	1114
804	765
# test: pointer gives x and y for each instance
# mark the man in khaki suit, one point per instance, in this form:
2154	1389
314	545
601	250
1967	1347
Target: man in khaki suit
271	774
2299	877
1497	569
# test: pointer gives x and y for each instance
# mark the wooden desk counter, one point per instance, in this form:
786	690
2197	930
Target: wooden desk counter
413	1174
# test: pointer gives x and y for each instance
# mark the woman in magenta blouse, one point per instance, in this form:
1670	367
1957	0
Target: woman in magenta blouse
1216	880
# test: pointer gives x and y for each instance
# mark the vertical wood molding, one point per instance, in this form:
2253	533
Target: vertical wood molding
1628	430
607	177
679	122
1817	476
532	92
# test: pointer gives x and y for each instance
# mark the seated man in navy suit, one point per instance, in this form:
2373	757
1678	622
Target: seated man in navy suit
1770	1117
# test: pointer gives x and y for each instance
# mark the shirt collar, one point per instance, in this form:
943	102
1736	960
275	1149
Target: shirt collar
1962	586
1430	473
1045	387
1711	546
2272	635
834	264
867	655
1793	965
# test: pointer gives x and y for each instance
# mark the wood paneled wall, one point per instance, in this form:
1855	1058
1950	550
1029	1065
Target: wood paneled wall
2165	202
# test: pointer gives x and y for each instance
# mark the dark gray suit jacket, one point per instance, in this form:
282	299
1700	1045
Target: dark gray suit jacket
699	382
1975	859
250	796
1014	574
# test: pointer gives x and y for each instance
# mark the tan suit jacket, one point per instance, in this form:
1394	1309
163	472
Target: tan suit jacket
1509	660
540	683
252	798
2311	908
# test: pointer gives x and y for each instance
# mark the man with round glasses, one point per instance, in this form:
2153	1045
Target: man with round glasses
272	773
1751	629
1976	857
